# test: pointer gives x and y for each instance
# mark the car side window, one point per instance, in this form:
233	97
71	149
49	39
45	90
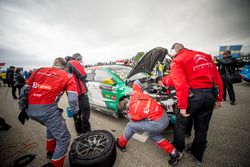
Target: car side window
90	75
100	75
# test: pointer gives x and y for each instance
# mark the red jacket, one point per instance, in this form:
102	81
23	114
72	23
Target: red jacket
79	75
143	106
48	84
192	69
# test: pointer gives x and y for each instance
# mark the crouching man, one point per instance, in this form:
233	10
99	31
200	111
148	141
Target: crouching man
45	87
146	115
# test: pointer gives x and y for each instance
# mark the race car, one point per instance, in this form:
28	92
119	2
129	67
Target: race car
109	84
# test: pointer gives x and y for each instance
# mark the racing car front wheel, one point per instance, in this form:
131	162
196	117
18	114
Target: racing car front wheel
93	149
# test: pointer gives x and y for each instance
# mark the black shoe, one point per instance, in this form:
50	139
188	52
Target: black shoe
224	99
123	149
48	165
174	158
188	150
233	103
49	155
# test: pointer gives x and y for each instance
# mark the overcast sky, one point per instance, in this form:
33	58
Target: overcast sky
34	32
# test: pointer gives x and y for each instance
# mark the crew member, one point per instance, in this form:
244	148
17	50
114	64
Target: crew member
75	67
195	78
45	87
146	115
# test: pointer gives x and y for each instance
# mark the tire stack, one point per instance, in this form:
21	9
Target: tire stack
93	149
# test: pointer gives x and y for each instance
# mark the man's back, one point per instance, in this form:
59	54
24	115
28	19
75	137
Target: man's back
47	84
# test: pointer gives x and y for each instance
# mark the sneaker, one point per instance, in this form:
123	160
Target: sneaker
123	149
233	103
49	155
188	150
174	158
48	165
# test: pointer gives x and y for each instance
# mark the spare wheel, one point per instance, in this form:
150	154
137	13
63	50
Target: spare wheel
93	149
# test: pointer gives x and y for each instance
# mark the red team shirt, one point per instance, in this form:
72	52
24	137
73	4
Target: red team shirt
48	84
194	70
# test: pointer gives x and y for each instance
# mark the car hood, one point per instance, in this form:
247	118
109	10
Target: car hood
147	63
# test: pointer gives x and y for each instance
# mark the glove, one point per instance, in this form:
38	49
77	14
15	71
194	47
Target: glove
23	116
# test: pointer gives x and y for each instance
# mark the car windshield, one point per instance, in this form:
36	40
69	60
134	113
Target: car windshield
121	71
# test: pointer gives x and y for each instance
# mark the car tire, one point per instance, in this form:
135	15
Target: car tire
93	149
120	113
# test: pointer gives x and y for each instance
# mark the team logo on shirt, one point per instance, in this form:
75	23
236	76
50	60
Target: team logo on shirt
197	58
41	86
202	62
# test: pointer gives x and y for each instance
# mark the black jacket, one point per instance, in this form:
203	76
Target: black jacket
227	64
10	77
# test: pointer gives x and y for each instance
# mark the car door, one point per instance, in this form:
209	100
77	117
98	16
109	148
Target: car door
95	93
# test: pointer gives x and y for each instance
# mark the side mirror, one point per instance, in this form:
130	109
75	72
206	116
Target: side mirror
109	81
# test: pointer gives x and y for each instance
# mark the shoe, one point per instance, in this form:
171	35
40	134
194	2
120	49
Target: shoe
233	103
174	158
48	165
123	149
224	99
188	150
49	155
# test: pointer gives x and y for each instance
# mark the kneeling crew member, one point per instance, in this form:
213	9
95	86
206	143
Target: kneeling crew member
146	115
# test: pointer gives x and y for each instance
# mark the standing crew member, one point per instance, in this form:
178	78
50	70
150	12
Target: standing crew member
75	67
227	66
11	81
45	87
146	115
194	75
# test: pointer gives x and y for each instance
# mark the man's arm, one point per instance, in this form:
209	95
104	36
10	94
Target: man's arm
72	95
218	82
180	83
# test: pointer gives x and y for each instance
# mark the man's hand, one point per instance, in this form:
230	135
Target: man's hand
217	105
183	112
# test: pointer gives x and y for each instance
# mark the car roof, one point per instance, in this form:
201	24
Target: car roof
111	67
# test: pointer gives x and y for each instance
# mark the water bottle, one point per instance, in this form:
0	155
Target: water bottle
69	112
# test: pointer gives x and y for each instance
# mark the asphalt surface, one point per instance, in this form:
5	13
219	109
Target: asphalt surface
228	136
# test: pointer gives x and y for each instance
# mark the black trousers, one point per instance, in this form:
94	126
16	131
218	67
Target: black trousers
189	127
228	87
200	107
13	90
19	87
82	124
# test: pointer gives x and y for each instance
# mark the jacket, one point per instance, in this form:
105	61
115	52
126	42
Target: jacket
46	86
19	80
79	75
229	64
194	70
142	106
10	77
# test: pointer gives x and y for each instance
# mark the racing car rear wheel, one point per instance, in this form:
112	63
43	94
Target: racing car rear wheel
93	149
